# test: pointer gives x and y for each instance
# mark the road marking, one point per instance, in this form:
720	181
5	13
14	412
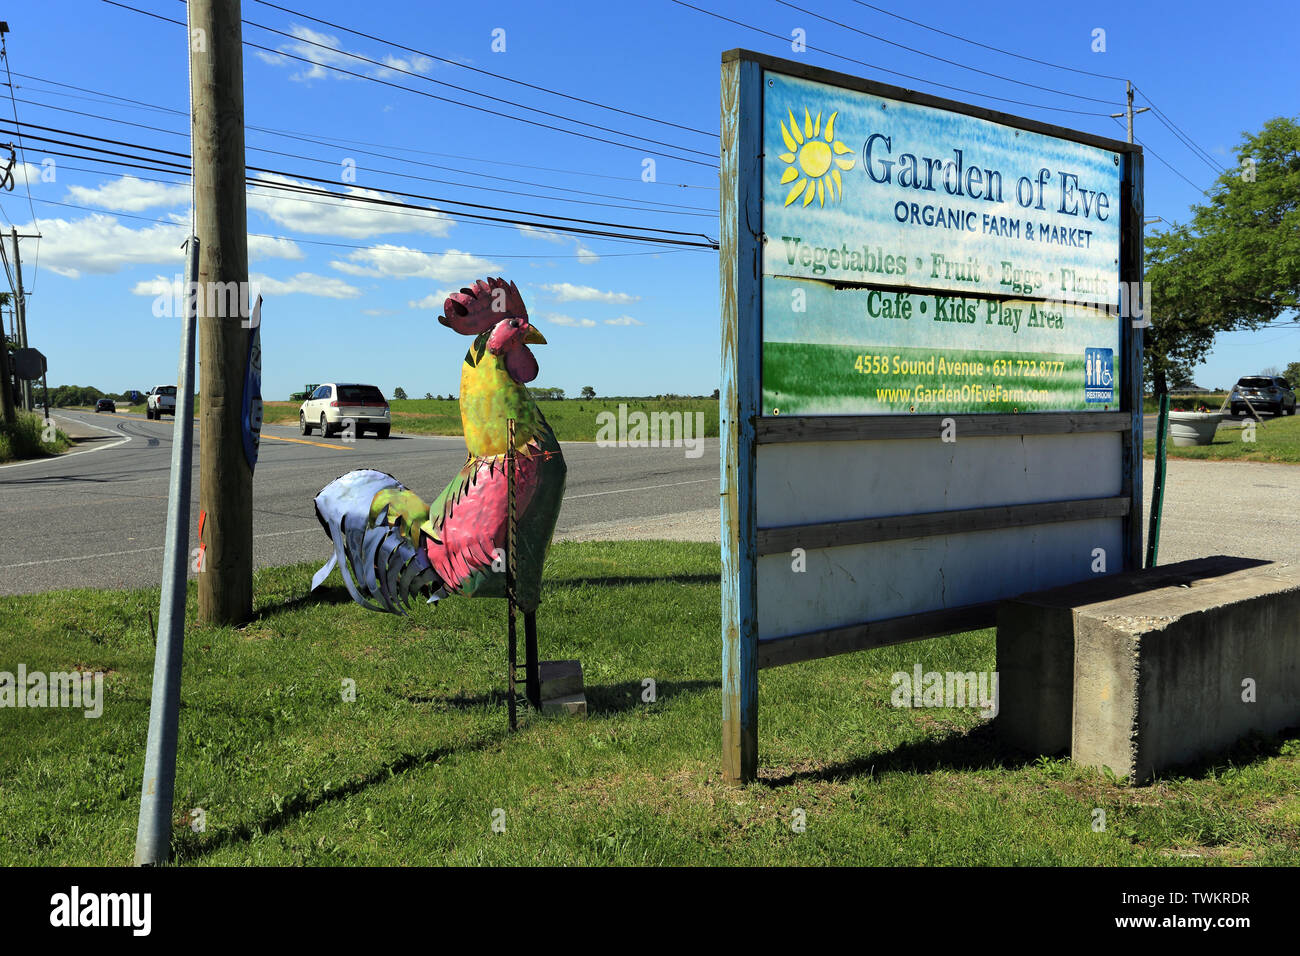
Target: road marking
303	441
74	454
622	491
118	554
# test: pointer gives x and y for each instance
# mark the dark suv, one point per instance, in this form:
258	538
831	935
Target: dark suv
1267	393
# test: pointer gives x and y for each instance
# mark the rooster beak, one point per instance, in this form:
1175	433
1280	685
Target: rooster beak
534	337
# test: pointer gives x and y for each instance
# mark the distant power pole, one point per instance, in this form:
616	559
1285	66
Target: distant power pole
20	314
1130	111
225	582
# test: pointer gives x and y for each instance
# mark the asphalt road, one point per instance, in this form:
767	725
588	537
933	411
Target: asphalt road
95	517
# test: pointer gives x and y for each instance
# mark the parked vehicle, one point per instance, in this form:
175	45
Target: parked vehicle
105	405
335	405
161	401
1267	393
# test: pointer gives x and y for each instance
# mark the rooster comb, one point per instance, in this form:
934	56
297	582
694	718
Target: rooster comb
482	305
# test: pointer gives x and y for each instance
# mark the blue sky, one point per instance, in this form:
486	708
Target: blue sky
349	288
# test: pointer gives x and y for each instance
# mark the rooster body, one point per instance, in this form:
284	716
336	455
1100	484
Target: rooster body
388	542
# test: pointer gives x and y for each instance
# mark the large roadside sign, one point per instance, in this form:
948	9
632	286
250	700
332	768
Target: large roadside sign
931	380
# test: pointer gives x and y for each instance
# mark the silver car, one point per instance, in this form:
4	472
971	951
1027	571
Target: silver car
1267	393
335	406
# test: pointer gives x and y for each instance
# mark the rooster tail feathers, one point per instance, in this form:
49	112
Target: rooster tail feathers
382	570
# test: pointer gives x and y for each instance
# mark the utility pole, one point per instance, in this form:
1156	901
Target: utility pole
225	583
1128	85
20	312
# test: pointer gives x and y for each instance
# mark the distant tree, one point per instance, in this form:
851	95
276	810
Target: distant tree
1271	371
428	396
1292	373
1237	266
399	394
588	392
715	394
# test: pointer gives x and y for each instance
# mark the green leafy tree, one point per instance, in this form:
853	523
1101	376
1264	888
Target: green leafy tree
1236	266
588	392
399	394
1292	374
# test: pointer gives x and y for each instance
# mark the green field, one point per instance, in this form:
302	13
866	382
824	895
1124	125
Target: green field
802	379
1277	440
410	773
574	419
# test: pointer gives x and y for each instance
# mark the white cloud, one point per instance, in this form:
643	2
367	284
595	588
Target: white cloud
341	217
378	312
100	245
568	292
546	235
304	283
623	320
554	319
388	261
434	300
586	257
129	194
323	49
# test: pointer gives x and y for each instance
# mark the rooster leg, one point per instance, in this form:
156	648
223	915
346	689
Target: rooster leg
533	676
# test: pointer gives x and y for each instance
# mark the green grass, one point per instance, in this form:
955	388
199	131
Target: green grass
26	439
1277	440
411	772
574	419
1187	403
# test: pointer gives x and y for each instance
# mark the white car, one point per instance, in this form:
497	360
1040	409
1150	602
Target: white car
161	401
336	405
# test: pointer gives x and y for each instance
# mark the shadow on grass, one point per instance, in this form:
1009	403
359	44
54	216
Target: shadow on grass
189	847
978	749
623	580
610	699
1250	749
322	595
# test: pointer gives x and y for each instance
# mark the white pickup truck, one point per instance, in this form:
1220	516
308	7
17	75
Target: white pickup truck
161	400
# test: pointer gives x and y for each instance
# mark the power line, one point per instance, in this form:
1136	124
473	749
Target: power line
346	245
27	186
1018	56
562	226
649	202
1187	140
946	60
184	167
883	69
313	137
444	99
465	66
1148	149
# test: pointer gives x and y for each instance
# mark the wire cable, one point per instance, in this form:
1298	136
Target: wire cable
874	66
946	60
444	99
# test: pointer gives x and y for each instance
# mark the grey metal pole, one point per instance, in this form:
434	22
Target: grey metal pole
153	835
20	313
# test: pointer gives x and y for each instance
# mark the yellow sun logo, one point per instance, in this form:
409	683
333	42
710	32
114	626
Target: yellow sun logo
810	161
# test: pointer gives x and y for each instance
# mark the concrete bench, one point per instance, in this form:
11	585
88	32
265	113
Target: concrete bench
1152	669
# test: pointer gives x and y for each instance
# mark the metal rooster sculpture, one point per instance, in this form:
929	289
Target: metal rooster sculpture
391	546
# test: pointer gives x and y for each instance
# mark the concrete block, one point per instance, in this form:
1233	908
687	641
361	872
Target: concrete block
560	678
1160	663
569	704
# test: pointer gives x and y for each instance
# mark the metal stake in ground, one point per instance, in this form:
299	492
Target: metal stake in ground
153	833
510	569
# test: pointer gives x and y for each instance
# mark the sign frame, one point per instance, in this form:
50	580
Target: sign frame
743	428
